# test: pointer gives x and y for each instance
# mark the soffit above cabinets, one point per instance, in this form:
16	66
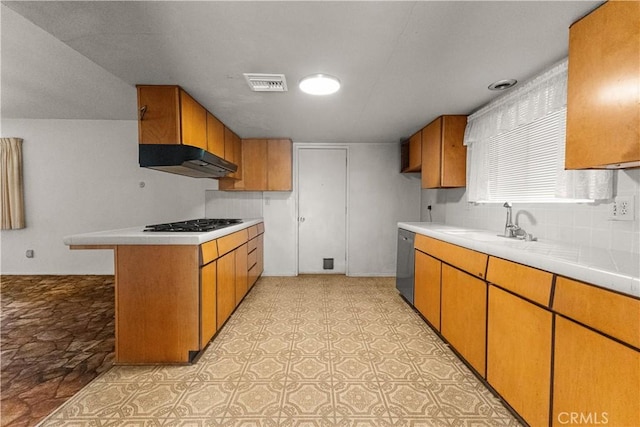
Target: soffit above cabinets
401	64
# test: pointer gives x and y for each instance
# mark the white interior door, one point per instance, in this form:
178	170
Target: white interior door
322	210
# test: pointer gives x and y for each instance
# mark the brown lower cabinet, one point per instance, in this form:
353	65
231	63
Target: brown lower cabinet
255	257
208	292
157	303
558	351
519	338
596	379
226	291
464	316
242	272
172	299
426	293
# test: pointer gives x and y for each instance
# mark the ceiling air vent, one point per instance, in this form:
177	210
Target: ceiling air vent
266	82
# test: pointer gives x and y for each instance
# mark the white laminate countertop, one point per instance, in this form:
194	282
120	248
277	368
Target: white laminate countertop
615	270
135	236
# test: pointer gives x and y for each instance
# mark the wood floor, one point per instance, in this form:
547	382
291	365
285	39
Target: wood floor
56	335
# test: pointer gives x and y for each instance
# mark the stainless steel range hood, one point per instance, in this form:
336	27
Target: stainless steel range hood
184	160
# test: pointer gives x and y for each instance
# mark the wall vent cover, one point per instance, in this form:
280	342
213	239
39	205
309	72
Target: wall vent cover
266	82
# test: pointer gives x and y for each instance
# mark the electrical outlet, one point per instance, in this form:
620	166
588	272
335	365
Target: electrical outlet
623	208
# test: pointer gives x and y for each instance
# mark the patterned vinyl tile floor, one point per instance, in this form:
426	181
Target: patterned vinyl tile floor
301	351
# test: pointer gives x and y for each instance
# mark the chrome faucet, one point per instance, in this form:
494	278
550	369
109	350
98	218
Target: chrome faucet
509	227
512	230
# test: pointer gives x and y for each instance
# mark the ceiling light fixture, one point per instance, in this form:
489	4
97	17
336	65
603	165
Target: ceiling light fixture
502	84
319	84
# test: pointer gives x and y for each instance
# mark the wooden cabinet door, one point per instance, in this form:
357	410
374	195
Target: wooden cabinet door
157	300
444	157
266	166
453	170
463	315
208	292
237	148
233	152
229	151
279	155
519	337
194	121
158	119
215	136
415	153
241	273
596	379
226	292
254	152
431	154
603	108
426	297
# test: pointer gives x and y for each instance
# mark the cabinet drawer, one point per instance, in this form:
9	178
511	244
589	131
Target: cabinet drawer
525	281
614	314
472	262
208	252
261	228
252	259
252	245
232	241
253	231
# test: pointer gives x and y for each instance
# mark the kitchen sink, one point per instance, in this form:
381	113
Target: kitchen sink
483	236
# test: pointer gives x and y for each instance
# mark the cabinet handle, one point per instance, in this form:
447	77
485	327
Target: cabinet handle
143	110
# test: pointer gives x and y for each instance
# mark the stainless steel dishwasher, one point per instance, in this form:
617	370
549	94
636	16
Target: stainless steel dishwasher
405	264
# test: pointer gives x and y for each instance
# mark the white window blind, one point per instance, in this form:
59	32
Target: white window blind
522	161
515	148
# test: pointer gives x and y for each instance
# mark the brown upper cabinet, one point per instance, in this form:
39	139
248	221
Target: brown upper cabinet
413	153
603	96
267	166
169	115
279	161
215	136
233	151
444	157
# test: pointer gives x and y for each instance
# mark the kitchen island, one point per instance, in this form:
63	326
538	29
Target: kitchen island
553	329
174	291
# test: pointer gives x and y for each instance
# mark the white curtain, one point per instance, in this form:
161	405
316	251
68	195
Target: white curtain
12	187
538	98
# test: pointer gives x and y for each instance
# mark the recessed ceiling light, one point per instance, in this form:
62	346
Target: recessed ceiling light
502	84
319	84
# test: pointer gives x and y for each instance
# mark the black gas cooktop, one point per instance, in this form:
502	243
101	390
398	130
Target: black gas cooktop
194	225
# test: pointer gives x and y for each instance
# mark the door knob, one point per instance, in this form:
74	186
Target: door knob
301	219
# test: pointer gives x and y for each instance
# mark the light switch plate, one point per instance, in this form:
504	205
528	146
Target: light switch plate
623	208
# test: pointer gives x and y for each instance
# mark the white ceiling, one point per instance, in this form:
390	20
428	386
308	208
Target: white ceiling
401	63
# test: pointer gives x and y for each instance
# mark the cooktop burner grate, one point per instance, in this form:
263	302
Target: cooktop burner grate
193	225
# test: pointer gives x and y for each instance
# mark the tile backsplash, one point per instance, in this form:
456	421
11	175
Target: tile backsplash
581	223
